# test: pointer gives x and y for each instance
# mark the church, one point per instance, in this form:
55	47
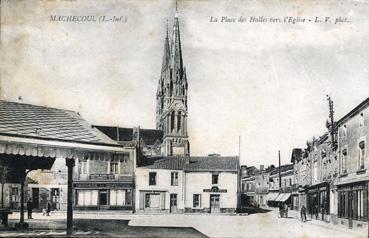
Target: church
170	136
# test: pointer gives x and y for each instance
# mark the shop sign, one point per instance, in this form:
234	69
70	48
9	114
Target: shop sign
215	189
102	185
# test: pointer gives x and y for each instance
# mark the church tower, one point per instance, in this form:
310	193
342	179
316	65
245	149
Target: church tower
171	97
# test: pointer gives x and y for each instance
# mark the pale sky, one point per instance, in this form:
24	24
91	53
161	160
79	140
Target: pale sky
265	82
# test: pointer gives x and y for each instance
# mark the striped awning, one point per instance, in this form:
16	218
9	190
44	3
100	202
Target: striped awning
283	197
272	196
55	149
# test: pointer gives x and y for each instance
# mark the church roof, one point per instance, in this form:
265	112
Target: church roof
148	136
26	120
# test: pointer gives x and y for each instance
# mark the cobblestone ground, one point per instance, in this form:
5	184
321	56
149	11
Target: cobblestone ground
256	225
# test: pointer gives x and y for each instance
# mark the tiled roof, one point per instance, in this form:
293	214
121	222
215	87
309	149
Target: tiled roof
212	163
193	164
175	163
148	136
21	119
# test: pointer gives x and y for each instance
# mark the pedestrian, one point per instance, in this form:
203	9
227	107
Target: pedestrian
286	209
29	208
280	210
48	209
303	213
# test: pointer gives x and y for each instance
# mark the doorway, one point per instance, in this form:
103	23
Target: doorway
214	203
103	198
173	203
35	198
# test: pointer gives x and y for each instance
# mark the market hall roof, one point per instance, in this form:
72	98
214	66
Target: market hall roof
38	131
44	122
194	163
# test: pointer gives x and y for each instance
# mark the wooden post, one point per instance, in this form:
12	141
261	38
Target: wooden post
22	225
22	200
70	164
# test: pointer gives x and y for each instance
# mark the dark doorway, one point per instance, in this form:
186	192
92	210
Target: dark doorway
36	198
103	198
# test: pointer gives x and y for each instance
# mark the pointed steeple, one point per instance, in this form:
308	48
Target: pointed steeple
176	50
166	55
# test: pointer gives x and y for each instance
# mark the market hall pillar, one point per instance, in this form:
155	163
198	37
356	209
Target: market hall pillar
70	164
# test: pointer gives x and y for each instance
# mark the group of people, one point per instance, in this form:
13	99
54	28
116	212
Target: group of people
45	211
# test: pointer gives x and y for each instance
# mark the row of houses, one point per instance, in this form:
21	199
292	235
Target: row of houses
329	176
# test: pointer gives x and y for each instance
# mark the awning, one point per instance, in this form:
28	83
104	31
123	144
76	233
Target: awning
272	196
283	197
54	149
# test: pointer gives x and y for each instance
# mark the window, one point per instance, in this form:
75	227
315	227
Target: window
117	197
290	182
114	167
174	179
152	178
87	197
196	200
361	120
15	194
83	167
344	161
215	179
172	121
361	154
344	131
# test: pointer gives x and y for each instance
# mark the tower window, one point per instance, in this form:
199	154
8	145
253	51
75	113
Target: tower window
179	121
171	88
172	121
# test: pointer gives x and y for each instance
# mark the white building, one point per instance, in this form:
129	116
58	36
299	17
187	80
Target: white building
187	184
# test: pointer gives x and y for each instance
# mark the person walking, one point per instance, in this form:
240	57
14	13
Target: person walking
29	208
48	209
286	210
303	213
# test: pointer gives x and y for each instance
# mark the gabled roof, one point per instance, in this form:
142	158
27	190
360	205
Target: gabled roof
213	163
26	120
147	136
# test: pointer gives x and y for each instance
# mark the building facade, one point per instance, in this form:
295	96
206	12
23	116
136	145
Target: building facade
188	184
353	153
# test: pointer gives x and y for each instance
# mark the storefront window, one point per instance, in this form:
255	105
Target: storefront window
352	203
87	197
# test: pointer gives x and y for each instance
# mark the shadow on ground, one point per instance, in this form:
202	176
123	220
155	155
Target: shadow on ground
103	227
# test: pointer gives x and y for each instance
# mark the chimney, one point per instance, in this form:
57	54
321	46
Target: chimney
261	167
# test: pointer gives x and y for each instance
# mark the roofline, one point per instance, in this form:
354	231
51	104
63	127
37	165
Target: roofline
61	140
34	105
354	111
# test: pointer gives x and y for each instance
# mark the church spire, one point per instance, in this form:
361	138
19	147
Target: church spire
176	49
166	55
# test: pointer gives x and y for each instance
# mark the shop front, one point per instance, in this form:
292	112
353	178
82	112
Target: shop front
353	204
318	201
103	195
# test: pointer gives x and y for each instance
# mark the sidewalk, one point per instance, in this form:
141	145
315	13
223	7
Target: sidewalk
328	225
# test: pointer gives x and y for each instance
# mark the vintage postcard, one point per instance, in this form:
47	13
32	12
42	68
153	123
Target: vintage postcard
184	118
